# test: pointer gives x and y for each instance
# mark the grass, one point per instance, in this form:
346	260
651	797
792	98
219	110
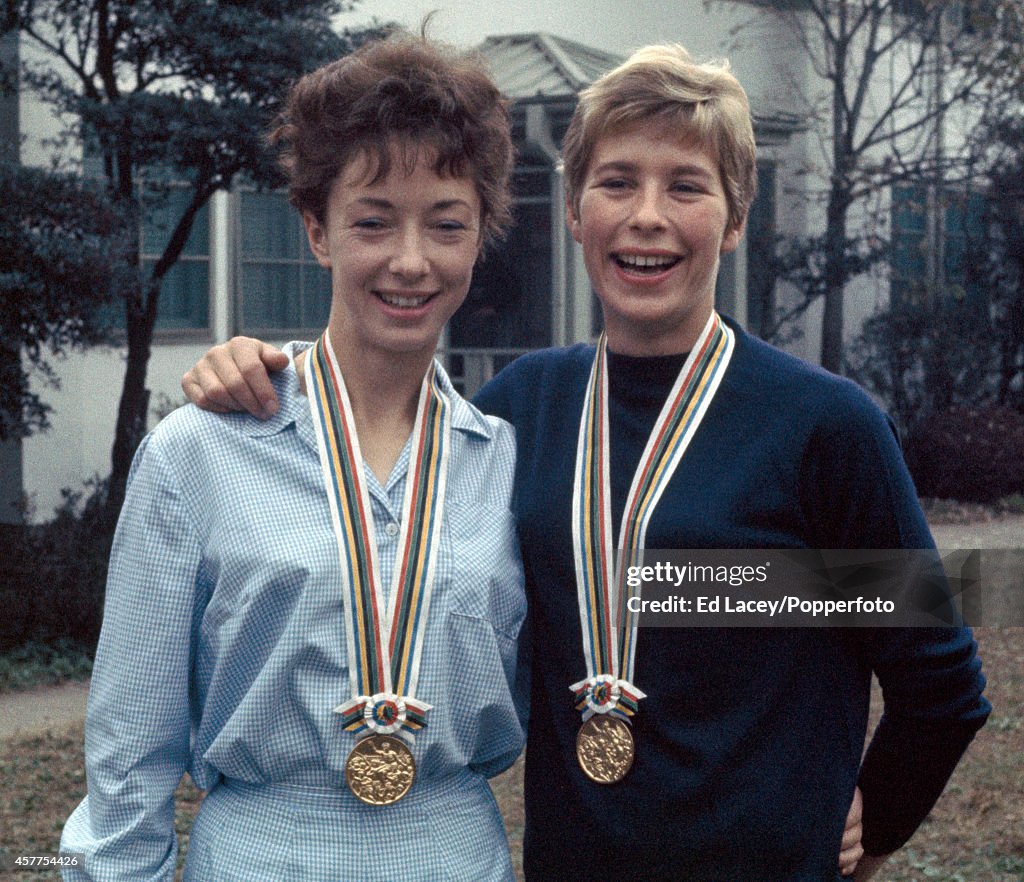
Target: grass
975	833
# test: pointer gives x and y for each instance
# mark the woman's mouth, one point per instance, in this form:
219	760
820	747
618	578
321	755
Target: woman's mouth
403	301
645	264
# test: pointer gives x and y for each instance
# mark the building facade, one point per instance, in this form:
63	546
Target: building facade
247	268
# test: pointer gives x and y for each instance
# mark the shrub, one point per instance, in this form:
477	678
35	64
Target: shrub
973	454
54	574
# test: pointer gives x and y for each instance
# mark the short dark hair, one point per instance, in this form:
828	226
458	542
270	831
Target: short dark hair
403	89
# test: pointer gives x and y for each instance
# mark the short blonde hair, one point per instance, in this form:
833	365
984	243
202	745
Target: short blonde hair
661	85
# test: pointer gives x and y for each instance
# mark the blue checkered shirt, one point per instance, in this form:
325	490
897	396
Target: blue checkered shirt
223	654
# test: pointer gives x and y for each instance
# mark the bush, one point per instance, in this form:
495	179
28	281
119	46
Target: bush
973	454
54	574
38	664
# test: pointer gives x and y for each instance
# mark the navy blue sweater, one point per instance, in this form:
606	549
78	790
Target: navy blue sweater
749	743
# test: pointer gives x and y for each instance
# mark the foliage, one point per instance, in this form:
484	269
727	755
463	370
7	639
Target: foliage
1003	256
169	90
951	366
877	110
970	454
925	354
802	262
55	574
58	253
40	664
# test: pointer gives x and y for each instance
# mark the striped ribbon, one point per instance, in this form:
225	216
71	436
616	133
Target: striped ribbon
609	641
384	638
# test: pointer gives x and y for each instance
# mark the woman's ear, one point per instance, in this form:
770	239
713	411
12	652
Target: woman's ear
316	232
731	240
572	221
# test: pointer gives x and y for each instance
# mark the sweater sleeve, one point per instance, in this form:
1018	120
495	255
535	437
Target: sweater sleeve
857	491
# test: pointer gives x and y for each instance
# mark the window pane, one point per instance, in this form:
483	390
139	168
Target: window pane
509	302
909	240
725	284
184	296
760	236
270	296
271	228
163	215
316	295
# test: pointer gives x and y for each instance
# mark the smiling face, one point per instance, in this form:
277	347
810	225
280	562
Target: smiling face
400	250
653	222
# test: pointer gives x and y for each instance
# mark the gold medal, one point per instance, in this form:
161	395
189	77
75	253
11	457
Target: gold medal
605	749
380	770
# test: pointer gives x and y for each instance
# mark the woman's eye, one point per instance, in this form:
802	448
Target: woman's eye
614	184
450	226
369	223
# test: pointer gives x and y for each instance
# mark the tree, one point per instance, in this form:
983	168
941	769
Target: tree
892	72
58	253
169	90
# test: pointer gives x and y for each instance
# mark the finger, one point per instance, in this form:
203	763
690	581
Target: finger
251	386
856	813
194	391
229	375
273	358
850	850
851	836
206	384
849	858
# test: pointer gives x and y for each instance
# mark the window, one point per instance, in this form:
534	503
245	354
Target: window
281	287
761	270
184	303
185	292
509	302
961	215
757	284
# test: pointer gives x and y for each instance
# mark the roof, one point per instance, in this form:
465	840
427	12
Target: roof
540	65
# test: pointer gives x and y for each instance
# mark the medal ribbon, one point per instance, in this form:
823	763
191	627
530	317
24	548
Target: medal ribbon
384	640
609	641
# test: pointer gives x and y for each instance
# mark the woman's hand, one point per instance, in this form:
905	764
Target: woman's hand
850	850
234	376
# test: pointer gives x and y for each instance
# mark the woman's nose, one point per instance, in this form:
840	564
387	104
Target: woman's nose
410	258
647	209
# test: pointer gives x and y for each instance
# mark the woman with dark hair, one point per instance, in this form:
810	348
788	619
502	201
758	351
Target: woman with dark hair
317	616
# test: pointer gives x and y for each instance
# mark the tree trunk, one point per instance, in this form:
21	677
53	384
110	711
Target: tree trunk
835	285
11	487
133	409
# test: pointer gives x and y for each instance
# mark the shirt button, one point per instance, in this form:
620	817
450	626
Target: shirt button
391	529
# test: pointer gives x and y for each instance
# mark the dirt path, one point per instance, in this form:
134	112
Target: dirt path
49	707
22	713
1006	532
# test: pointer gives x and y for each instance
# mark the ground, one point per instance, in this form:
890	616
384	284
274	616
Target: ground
975	833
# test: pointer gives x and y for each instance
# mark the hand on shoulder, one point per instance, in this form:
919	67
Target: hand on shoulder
234	376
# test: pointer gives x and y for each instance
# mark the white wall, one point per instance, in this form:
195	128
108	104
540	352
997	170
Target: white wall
84	413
